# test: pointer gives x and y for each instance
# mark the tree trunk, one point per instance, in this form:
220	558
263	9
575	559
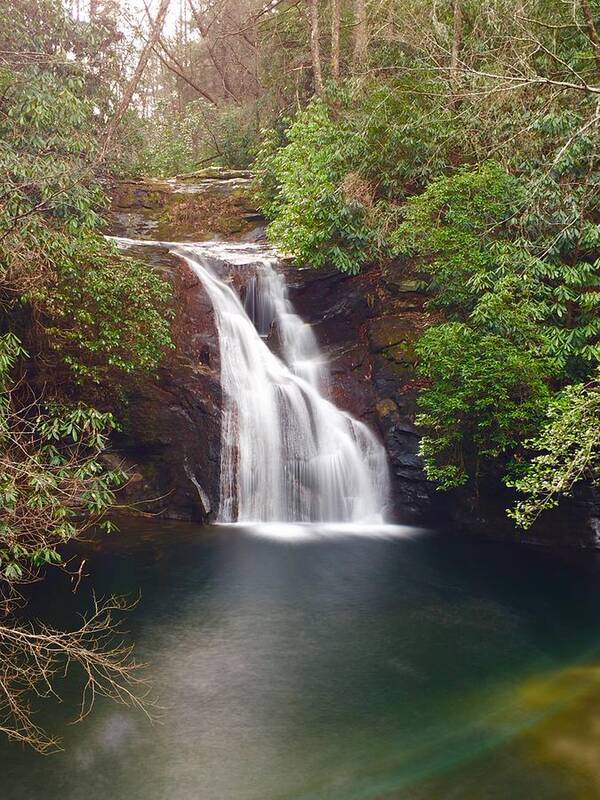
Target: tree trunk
335	39
315	47
361	33
455	55
591	31
155	32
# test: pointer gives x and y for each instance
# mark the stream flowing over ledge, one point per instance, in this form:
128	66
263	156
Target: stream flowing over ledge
366	326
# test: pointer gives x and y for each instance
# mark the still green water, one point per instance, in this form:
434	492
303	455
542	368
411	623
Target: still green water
417	667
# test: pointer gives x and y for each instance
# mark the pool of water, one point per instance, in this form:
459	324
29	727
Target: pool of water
309	665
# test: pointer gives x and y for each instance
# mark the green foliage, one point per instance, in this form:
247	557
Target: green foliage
564	452
560	226
408	136
236	135
38	37
173	144
331	188
103	313
266	183
52	481
112	317
485	395
460	226
524	320
312	218
85	312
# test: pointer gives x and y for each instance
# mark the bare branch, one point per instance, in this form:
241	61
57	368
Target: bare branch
135	78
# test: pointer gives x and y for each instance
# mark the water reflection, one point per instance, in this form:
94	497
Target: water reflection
340	667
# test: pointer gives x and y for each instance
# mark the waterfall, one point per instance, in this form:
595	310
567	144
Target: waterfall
288	454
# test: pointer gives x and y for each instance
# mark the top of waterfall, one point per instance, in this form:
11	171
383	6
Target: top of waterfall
238	253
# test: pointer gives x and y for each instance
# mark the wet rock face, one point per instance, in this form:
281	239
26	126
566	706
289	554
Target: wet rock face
367	326
575	523
171	422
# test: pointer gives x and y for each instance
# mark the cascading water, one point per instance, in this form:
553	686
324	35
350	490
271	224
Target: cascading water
288	454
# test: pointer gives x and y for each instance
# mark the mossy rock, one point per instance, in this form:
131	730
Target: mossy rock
139	194
403	278
402	353
400	372
386	408
386	332
154	199
409	285
205	213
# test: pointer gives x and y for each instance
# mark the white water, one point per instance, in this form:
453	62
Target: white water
288	454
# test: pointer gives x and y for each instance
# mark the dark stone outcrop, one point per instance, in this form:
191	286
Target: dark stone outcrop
367	326
482	511
171	421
